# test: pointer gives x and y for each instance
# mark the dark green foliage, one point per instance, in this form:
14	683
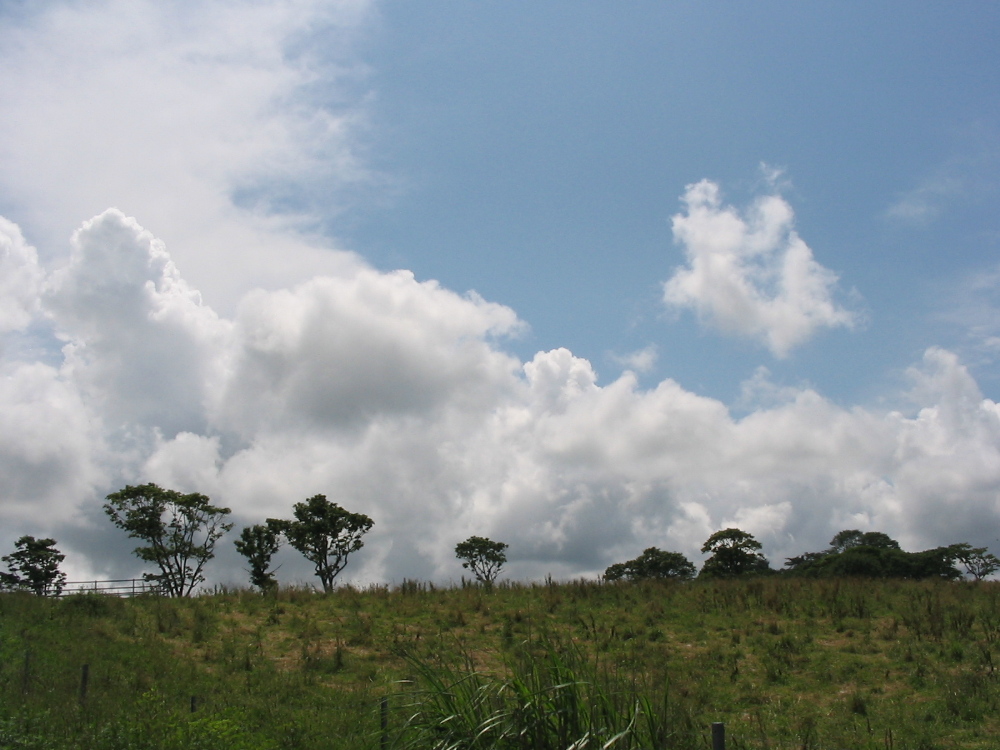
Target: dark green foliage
734	553
804	562
258	544
933	563
157	727
325	534
878	540
873	554
845	539
483	557
180	532
652	563
34	566
848	538
978	562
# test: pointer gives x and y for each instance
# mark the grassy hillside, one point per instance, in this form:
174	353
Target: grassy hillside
785	663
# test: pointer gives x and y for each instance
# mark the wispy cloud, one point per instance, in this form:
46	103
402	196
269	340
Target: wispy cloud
972	309
922	204
967	176
642	360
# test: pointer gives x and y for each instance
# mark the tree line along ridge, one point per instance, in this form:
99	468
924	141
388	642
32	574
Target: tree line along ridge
179	533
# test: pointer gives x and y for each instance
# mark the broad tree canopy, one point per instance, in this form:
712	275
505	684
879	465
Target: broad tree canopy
652	563
483	557
34	566
180	532
874	554
325	534
734	553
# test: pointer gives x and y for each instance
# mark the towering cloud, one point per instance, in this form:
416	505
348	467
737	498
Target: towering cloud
20	278
198	117
221	346
139	343
396	398
751	275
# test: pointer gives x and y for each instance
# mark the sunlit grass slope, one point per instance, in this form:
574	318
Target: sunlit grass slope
785	663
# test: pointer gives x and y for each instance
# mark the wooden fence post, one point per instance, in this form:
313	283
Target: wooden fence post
384	715
26	675
84	679
718	736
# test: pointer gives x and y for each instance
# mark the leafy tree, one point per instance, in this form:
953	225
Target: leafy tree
873	554
34	566
734	553
844	540
325	534
933	563
652	563
805	561
180	532
847	542
258	544
849	538
483	557
978	562
863	561
878	540
866	561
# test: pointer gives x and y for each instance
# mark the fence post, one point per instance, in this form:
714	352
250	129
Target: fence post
84	679
384	715
718	736
26	676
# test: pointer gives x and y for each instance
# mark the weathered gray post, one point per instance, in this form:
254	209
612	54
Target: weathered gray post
718	736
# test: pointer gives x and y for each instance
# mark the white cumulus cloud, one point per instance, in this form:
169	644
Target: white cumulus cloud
750	274
211	344
20	278
51	451
396	398
130	321
334	351
198	117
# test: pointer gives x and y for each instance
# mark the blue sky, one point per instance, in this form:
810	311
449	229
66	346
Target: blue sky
546	149
584	277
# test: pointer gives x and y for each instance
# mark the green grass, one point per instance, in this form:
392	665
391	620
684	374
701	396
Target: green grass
785	663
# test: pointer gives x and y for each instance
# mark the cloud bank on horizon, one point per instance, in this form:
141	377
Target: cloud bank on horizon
396	397
315	372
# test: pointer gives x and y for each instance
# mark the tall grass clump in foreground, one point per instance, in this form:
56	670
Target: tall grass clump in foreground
547	695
